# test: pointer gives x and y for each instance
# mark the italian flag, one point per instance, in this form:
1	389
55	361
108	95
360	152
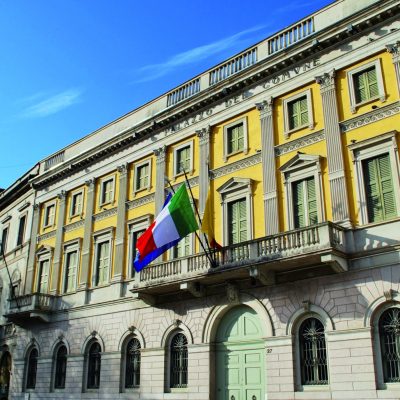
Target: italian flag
175	221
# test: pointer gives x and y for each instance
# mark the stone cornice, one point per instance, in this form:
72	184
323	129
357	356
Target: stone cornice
372	116
299	143
235	166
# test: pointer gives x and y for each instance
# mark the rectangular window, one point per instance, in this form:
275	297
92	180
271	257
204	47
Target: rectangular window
235	138
237	220
71	264
366	85
44	276
183	159
305	209
76	204
4	236
21	230
107	191
49	214
182	249
143	176
379	191
102	263
298	112
135	236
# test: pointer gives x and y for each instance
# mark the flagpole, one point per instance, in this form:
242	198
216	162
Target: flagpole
194	203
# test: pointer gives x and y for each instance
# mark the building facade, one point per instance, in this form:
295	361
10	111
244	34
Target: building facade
295	143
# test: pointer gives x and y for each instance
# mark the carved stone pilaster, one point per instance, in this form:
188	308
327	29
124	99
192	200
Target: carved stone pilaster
87	233
394	50
32	249
269	167
161	154
204	179
339	198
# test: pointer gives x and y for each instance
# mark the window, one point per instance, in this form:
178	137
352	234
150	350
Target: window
235	138
43	276
49	215
298	112
377	177
389	336
303	190
304	203
60	367
4	237
237	221
142	175
70	267
102	263
21	230
178	361
137	227
94	365
107	191
313	355
183	158
76	204
365	84
31	369
132	364
183	248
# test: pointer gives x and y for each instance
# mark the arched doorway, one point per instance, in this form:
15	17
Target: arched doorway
240	357
5	369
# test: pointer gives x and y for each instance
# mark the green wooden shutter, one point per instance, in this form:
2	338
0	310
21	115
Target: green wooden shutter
360	87
237	221
372	83
236	138
298	113
366	85
303	111
298	204
379	188
293	115
312	201
103	263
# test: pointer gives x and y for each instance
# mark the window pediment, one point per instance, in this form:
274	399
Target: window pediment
300	161
235	184
44	250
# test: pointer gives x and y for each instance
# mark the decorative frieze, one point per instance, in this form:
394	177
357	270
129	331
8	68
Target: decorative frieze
74	225
140	201
105	214
46	236
235	166
192	182
296	144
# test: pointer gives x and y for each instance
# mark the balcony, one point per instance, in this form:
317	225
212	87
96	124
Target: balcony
37	306
292	255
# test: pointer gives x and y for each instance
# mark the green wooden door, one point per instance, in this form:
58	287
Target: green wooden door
240	356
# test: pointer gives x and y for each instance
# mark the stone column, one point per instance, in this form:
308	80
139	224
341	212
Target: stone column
204	159
87	234
337	180
32	250
160	178
121	223
394	50
57	260
271	216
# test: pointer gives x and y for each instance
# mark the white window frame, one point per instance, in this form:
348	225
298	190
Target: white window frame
71	209
379	78
70	247
99	238
245	137
103	181
369	148
310	124
46	223
44	254
176	150
300	167
236	189
136	225
135	176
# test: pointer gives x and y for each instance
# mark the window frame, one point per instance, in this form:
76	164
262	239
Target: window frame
70	247
176	150
47	223
301	167
21	236
287	131
183	386
100	238
28	367
124	361
103	182
351	86
71	208
370	148
137	166
227	128
5	228
55	366
87	365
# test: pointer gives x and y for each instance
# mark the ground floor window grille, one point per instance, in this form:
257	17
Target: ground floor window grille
94	364
61	368
389	333
132	366
179	361
32	369
313	357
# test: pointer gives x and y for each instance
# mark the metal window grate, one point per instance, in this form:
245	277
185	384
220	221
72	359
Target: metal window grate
389	333
94	364
314	367
179	361
132	365
32	369
61	368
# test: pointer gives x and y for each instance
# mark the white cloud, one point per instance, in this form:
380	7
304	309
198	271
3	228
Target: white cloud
51	105
154	71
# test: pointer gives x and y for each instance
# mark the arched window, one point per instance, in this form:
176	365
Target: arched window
313	357
94	364
60	367
178	361
31	369
132	364
389	335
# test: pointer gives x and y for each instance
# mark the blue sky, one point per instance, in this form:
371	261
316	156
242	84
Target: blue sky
69	67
